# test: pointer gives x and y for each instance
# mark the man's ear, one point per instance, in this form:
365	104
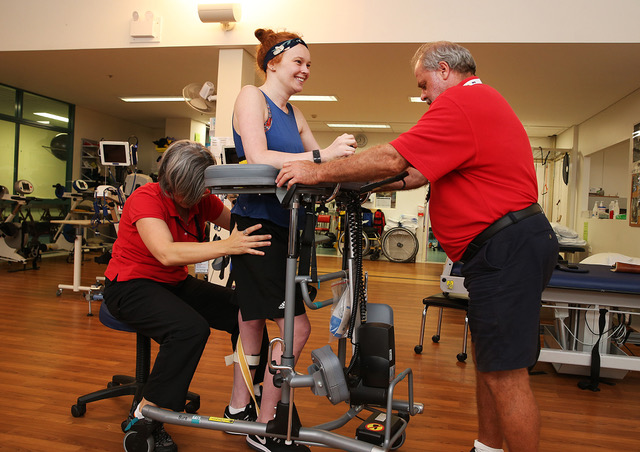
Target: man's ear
444	70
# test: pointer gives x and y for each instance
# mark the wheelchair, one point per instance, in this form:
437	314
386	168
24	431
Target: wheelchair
398	244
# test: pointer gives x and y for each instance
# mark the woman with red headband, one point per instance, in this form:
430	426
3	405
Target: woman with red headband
267	129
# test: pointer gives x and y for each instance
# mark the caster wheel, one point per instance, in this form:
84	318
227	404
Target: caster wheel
78	410
123	425
417	349
58	292
132	443
193	406
399	442
435	338
462	357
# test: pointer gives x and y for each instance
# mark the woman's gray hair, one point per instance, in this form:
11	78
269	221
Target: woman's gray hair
457	57
181	170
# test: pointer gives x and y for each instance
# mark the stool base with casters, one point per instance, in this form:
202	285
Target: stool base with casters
444	300
121	385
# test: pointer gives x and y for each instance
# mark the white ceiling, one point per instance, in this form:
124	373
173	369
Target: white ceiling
550	86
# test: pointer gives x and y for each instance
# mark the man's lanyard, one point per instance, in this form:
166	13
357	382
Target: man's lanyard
475	81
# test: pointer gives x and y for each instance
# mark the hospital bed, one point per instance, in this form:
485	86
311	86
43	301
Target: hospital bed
585	299
590	306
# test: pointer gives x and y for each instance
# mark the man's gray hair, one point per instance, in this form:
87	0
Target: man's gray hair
181	170
457	57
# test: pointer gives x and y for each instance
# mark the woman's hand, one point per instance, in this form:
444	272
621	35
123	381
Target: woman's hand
242	242
343	146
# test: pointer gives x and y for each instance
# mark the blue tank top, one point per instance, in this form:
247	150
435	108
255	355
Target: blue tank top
282	135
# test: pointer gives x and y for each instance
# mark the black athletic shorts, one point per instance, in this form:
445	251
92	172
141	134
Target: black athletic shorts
505	280
260	280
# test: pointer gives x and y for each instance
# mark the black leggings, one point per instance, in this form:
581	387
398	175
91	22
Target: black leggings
179	318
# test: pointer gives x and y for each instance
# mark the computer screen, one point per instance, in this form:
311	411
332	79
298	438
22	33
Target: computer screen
115	153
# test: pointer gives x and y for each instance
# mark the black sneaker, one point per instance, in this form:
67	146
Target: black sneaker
163	441
145	427
249	414
268	444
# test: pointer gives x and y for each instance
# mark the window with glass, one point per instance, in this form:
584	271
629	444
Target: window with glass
35	140
7	101
42	159
7	153
45	111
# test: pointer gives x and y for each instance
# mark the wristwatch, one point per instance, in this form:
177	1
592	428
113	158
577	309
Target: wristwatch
316	156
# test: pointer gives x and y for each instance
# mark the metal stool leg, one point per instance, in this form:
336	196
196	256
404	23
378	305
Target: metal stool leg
462	357
436	337
418	348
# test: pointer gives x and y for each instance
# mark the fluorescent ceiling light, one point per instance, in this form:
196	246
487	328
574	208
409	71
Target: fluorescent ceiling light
44	122
415	99
304	98
153	99
360	126
50	116
636	134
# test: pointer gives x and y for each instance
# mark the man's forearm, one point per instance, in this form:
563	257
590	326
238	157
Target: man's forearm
373	164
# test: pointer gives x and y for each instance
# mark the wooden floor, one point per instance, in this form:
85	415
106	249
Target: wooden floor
52	352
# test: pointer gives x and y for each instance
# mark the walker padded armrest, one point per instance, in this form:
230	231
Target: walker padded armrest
241	178
257	178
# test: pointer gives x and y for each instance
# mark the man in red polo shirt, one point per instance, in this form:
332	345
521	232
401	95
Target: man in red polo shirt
473	150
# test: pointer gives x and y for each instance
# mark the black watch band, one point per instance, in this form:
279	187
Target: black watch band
316	156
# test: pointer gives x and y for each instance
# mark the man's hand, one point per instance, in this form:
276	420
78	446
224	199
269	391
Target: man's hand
298	172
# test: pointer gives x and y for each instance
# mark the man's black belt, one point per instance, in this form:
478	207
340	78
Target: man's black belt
497	226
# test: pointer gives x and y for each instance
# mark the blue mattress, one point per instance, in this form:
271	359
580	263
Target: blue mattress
598	278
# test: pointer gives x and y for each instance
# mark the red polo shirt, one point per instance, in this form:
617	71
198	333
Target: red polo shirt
475	152
130	258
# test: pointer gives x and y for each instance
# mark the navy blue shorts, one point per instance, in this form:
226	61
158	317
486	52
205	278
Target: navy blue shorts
505	280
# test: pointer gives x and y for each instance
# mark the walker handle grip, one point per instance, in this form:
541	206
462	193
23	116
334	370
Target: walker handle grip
373	185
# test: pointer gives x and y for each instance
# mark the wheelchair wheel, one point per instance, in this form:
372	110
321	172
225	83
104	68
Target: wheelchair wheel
399	245
366	248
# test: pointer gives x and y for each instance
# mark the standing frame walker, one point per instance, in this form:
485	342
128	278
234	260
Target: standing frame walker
369	380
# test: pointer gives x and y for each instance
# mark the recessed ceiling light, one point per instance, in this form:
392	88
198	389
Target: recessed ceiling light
360	126
311	98
50	116
153	99
415	99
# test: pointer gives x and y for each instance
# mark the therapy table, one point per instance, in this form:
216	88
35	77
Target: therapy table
585	299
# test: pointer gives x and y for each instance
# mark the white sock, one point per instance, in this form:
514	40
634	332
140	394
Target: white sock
233	410
479	447
257	389
137	413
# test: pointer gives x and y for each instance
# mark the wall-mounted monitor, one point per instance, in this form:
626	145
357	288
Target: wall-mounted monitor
115	153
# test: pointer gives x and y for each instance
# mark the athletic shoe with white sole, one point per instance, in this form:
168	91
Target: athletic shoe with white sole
268	444
248	414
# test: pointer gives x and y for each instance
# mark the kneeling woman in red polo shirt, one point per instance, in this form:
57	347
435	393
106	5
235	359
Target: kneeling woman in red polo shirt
148	286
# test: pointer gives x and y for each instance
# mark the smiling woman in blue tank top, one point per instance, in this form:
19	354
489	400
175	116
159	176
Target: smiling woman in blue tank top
267	129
